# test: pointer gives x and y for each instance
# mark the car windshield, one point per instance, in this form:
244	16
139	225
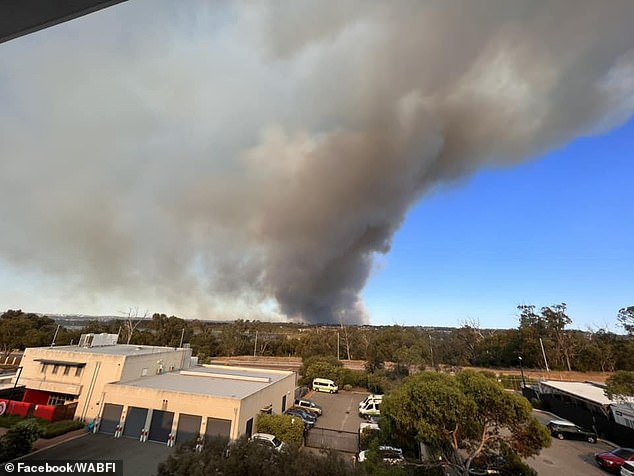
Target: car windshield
623	453
276	442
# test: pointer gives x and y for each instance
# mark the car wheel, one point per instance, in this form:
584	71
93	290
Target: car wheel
592	439
560	436
331	392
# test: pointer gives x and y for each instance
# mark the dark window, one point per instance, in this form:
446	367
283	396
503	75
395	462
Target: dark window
44	366
78	371
283	403
249	427
66	369
55	367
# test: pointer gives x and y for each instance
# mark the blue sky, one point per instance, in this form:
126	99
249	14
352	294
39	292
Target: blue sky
559	228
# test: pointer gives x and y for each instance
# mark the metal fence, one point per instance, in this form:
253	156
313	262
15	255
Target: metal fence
324	438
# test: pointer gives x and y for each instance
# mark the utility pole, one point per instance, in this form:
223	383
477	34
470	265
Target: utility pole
544	354
182	337
255	346
337	345
55	336
431	351
522	372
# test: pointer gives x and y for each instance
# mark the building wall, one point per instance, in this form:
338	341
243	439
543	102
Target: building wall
100	370
271	395
168	360
176	402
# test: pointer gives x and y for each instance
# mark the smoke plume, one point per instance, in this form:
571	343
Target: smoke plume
202	154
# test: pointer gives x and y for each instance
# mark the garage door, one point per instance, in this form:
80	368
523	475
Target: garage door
161	425
218	427
188	427
110	418
134	422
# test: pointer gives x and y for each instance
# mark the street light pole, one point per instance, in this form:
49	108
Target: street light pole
522	372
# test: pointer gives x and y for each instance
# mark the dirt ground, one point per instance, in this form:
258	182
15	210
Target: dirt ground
541	374
294	363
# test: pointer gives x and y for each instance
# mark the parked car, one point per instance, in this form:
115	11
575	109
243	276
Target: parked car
310	406
370	398
627	469
371	409
308	419
324	385
268	440
563	429
388	454
613	460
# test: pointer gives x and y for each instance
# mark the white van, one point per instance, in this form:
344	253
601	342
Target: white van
372	408
370	398
324	385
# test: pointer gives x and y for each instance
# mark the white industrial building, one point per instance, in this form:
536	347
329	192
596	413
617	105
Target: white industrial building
152	391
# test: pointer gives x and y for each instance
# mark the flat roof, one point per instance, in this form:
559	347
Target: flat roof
117	349
218	381
587	391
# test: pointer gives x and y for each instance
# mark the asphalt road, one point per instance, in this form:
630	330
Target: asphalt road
139	459
341	410
567	456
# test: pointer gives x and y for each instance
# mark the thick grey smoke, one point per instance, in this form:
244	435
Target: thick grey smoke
197	155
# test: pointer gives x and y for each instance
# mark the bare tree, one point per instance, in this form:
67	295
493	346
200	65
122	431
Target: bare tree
132	321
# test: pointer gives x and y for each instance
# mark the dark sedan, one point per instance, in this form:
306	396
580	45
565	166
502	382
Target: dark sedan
308	419
613	460
566	430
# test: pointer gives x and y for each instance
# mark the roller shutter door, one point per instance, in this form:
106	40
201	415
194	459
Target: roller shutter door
161	425
188	427
134	422
218	427
110	418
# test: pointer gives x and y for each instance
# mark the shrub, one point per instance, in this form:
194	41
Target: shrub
347	387
60	427
355	378
321	367
7	421
19	439
288	429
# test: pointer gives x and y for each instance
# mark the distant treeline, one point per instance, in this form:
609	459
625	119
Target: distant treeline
468	345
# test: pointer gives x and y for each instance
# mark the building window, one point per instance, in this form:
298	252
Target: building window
60	398
55	368
283	403
78	371
43	369
66	369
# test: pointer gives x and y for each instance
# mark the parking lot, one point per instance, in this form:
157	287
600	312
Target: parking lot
567	456
338	427
140	459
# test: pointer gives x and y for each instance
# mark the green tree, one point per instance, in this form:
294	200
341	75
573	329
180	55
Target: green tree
322	367
626	319
469	412
245	458
287	428
620	386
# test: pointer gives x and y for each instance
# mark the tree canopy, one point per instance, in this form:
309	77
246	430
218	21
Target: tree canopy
620	386
463	417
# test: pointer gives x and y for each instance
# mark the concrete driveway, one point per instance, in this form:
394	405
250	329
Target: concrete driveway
140	459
